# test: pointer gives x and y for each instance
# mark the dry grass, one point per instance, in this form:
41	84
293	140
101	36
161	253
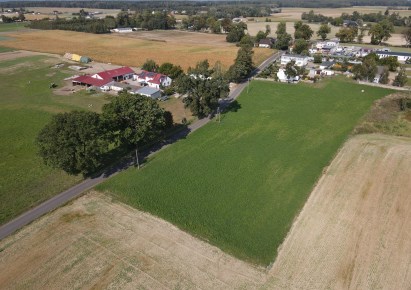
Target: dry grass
354	231
121	50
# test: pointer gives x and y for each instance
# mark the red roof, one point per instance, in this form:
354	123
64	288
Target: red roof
91	81
155	78
125	70
107	77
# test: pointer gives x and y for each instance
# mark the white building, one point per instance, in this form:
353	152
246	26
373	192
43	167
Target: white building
300	60
148	92
401	56
282	77
154	80
122	30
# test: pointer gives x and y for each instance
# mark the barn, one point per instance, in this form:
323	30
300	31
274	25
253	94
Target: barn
103	79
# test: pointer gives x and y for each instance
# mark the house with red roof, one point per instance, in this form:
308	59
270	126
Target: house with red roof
152	79
104	79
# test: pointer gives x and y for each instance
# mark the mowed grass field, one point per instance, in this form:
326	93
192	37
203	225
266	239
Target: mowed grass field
239	184
132	51
26	105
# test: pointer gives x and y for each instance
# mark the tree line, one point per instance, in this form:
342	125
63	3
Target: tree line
78	142
196	5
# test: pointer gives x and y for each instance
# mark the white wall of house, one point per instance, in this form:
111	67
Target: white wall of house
299	60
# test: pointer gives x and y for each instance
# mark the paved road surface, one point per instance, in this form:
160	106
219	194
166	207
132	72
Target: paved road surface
89	183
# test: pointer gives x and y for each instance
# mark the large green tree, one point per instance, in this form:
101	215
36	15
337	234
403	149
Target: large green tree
300	45
171	70
243	64
347	34
401	78
407	35
323	31
381	31
74	142
283	38
134	119
302	31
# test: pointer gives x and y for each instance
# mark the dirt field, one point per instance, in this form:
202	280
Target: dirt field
355	230
96	244
125	50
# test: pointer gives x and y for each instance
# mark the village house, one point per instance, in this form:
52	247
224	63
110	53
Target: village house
266	43
154	80
300	60
122	30
282	77
103	80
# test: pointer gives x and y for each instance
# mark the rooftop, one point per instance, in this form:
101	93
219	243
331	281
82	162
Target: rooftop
147	91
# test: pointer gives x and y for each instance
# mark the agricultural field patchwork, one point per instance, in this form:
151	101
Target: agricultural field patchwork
131	51
239	184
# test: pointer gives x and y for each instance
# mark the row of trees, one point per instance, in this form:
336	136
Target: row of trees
145	20
20	17
78	141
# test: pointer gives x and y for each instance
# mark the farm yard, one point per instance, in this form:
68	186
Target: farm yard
254	171
133	51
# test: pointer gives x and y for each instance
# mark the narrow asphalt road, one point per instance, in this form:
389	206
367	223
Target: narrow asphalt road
65	196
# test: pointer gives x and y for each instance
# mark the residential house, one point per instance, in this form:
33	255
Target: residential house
300	60
401	56
350	23
326	64
152	79
266	42
103	80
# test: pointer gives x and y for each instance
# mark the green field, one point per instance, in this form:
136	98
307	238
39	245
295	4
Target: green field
5	27
26	105
239	184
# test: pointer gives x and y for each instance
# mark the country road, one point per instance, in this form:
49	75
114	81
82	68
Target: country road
65	196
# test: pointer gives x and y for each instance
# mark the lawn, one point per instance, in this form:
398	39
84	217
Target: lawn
239	184
26	105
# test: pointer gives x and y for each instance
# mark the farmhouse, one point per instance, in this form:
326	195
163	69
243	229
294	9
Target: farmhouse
401	56
148	92
300	60
154	80
104	79
266	43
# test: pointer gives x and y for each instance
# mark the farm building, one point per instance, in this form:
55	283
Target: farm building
148	92
118	87
300	60
154	80
401	56
103	79
266	43
122	30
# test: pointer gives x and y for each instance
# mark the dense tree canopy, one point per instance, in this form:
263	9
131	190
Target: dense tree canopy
302	31
73	142
381	31
323	31
283	38
243	64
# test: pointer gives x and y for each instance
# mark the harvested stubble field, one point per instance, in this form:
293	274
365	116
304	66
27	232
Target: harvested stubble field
94	243
253	172
355	229
353	233
128	50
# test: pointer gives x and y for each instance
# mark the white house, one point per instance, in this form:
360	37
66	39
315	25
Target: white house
300	60
122	30
282	77
401	56
154	80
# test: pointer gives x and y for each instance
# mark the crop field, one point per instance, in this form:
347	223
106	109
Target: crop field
239	184
26	105
5	27
354	231
128	50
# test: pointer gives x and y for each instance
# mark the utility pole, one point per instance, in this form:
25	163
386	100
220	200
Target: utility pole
248	85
